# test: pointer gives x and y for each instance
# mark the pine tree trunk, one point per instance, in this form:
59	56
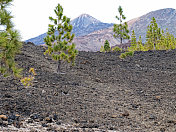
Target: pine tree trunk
121	40
59	66
121	29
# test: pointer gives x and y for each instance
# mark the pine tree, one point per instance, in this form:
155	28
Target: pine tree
166	42
121	30
133	46
170	40
161	41
9	42
58	45
140	45
153	35
107	47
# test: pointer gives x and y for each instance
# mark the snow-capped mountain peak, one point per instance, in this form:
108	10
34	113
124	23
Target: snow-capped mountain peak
82	25
84	20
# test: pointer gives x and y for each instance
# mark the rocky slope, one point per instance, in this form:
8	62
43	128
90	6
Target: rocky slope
100	93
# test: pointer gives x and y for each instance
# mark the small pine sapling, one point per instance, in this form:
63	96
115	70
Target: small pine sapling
121	30
107	47
140	45
133	46
153	35
58	39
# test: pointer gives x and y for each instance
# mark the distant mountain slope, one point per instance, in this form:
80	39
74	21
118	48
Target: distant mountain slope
91	33
165	18
94	40
82	25
37	40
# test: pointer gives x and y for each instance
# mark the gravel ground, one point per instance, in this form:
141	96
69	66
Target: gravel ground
100	93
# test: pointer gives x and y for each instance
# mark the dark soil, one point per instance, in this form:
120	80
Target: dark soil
101	91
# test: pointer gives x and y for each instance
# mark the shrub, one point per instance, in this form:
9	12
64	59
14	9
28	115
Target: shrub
28	81
130	53
122	56
117	49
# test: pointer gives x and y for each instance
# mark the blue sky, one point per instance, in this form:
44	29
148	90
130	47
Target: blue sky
31	16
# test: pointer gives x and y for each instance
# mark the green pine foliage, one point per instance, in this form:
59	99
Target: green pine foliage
133	40
133	46
122	56
153	35
102	49
117	49
10	43
107	47
130	53
121	30
166	42
126	54
140	46
60	46
156	39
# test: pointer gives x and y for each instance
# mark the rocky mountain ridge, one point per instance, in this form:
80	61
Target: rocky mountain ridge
165	18
91	33
82	25
84	20
86	24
